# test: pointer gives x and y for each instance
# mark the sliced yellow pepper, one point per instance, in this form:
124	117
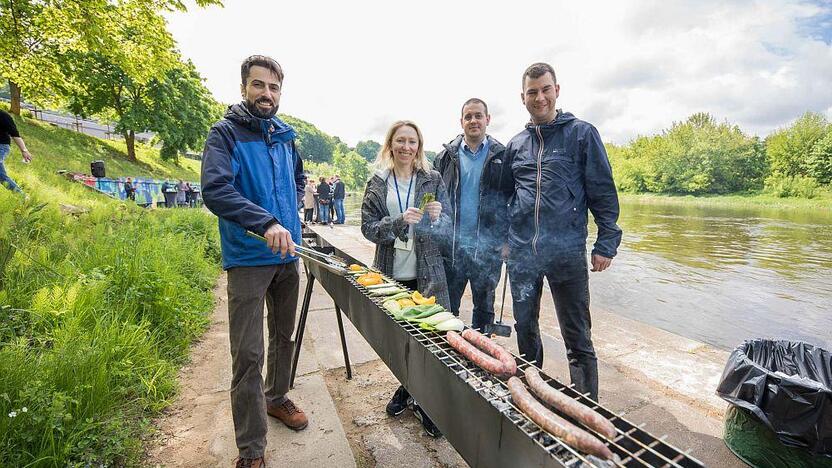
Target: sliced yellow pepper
419	299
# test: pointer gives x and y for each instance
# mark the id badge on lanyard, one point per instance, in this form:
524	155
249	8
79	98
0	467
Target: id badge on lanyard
400	244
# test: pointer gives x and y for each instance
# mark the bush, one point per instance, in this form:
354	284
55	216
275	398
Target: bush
820	160
102	308
796	186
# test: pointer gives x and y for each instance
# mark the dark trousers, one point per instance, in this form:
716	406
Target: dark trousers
568	279
248	289
483	273
307	214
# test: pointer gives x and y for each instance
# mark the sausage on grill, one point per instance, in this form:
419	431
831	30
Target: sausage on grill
481	359
554	424
569	406
488	346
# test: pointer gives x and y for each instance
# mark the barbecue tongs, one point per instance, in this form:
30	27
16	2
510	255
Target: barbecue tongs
330	262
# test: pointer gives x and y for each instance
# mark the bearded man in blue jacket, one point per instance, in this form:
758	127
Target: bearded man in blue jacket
252	178
554	171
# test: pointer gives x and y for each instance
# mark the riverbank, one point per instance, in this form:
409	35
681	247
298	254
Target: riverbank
759	200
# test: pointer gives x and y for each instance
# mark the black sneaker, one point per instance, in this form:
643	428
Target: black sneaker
400	401
427	424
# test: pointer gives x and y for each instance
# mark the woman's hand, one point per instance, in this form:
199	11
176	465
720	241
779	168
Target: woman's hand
434	209
412	215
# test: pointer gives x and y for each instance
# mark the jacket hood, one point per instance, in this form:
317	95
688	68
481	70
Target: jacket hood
274	129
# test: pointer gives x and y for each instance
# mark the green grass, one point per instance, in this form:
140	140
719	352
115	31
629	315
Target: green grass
97	309
823	201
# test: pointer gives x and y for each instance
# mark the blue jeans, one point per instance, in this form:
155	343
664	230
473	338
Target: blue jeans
339	210
4	176
484	274
568	279
324	211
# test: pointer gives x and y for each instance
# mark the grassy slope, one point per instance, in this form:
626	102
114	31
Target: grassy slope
56	148
102	306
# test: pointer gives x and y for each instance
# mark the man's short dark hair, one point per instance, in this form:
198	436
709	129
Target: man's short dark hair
474	100
262	61
536	70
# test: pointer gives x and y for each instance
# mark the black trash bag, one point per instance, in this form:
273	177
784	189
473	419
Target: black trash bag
788	386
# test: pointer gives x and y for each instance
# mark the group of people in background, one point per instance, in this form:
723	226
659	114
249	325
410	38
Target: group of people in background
178	195
324	202
524	204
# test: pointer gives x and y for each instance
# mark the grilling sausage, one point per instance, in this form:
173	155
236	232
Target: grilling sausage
567	405
554	424
494	350
481	359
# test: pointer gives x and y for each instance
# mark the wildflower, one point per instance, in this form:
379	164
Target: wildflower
24	409
13	414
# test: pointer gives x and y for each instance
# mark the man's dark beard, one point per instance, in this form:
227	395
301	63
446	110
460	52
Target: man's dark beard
255	111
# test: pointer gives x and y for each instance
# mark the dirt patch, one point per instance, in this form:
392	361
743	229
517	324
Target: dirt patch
376	439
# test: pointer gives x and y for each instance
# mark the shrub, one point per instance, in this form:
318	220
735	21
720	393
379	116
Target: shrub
796	186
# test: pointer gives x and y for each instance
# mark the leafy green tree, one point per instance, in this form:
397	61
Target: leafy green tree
430	155
313	144
36	34
30	39
181	110
820	160
788	150
353	169
368	149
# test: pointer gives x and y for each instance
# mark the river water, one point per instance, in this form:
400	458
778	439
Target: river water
719	275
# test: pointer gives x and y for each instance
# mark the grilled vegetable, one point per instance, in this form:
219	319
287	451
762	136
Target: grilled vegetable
421	311
451	324
393	307
387	291
406	301
427	198
399	296
382	285
356	267
419	299
435	319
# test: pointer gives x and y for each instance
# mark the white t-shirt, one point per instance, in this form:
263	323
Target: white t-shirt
404	261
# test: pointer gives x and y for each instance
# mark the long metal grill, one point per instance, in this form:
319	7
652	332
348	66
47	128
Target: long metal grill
633	446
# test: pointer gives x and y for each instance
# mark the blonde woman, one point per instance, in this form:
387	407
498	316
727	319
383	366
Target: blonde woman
407	239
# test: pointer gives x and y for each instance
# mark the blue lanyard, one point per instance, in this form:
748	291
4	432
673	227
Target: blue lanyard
409	186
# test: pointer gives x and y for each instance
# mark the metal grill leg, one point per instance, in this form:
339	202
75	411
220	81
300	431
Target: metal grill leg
343	342
304	312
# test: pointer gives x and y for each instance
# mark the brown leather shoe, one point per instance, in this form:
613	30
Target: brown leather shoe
250	463
289	414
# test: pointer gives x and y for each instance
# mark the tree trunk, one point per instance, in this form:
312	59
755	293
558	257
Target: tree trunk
130	138
15	92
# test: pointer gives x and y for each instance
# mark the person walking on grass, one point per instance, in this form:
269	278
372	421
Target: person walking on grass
252	179
9	132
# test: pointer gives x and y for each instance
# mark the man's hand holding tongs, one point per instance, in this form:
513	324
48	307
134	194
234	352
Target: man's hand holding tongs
280	240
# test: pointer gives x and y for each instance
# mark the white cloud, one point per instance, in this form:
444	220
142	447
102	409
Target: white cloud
629	68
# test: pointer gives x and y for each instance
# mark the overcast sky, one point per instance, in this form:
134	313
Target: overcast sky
630	68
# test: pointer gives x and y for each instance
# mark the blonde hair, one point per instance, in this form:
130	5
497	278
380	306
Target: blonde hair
384	160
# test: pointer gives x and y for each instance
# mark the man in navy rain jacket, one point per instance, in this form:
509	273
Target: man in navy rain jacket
252	178
556	169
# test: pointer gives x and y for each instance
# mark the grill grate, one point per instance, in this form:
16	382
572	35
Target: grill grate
633	446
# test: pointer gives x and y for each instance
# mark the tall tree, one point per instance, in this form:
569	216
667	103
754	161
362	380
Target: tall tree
368	149
181	110
788	150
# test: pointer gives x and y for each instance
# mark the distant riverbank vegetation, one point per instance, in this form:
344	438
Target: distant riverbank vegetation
703	157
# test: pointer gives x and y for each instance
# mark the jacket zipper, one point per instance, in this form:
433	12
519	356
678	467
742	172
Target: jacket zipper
537	196
488	157
456	218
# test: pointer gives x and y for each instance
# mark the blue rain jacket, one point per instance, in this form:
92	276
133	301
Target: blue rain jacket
252	178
